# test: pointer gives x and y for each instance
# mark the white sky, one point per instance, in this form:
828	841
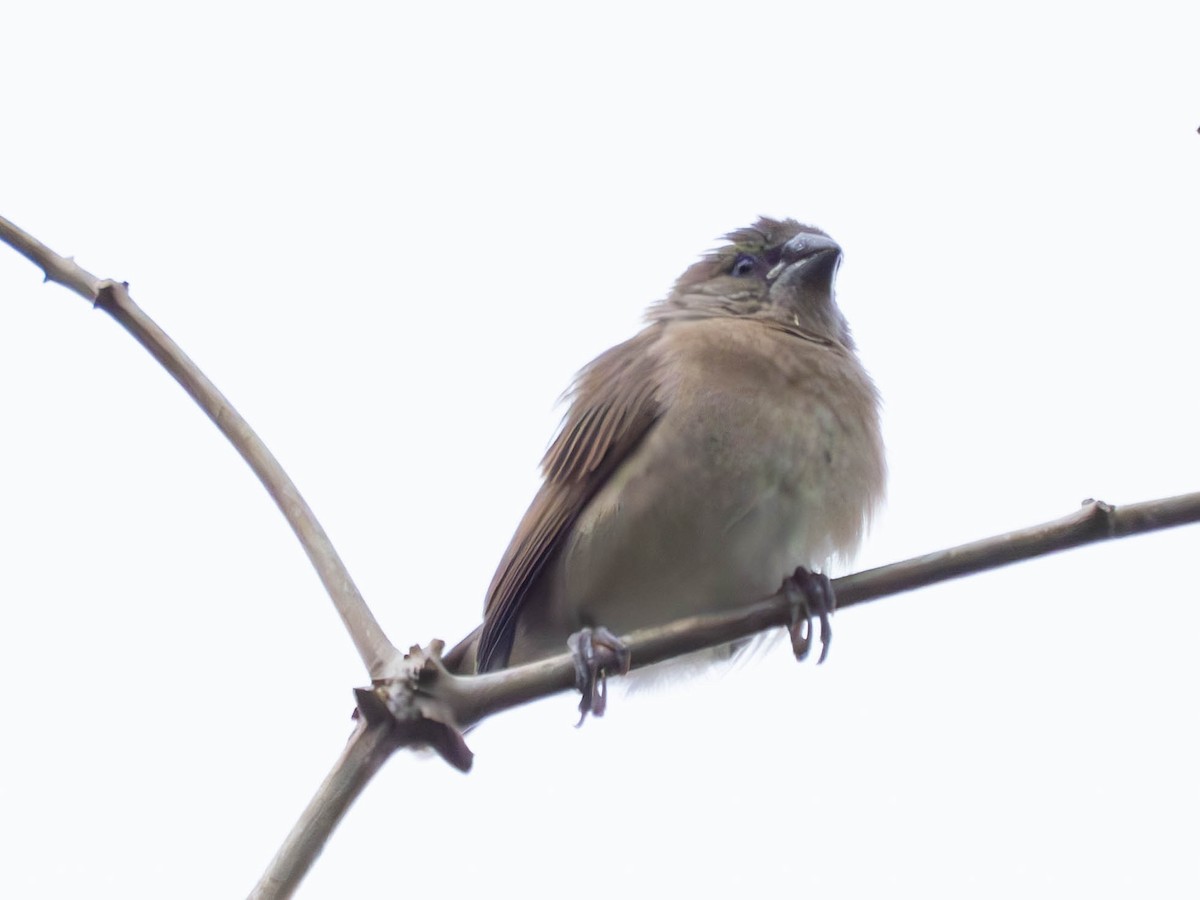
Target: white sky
391	234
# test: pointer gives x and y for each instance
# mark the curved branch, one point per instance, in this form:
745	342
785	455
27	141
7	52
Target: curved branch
376	651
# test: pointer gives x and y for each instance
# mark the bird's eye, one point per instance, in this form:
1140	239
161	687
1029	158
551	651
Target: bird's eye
743	265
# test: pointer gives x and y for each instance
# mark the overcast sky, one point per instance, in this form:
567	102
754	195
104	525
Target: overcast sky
390	234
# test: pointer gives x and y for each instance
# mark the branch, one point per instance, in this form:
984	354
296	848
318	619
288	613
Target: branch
366	751
376	651
449	702
389	718
471	699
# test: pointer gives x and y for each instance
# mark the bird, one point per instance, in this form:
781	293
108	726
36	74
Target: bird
730	446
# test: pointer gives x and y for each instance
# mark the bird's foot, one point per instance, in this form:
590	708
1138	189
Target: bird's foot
596	651
809	593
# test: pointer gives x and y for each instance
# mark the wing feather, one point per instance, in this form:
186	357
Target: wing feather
615	402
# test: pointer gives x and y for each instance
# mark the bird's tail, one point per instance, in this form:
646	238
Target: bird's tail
460	659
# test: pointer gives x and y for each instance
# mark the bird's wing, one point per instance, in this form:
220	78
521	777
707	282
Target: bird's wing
615	401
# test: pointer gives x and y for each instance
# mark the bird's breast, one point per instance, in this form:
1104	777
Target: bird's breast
766	456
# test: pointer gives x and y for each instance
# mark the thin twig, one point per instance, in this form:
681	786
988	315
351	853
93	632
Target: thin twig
377	652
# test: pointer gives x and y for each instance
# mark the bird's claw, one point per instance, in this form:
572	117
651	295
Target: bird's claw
809	593
596	650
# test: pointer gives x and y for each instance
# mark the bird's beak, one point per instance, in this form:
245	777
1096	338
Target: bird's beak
809	261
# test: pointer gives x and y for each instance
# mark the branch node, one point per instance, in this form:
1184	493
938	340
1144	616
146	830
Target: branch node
415	715
1103	514
107	297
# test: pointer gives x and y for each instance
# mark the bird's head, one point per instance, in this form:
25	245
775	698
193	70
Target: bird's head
777	269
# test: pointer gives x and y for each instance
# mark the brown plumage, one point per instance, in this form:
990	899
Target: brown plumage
733	439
